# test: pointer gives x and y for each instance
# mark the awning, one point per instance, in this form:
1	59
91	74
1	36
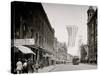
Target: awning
31	46
25	50
53	57
35	47
46	55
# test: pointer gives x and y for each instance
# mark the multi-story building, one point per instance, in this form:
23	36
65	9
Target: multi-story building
92	34
29	21
60	51
84	53
69	58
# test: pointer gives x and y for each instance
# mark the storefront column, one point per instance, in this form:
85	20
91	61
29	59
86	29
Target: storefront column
37	61
49	61
32	57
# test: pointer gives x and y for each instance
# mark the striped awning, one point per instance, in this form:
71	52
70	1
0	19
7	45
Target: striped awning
24	49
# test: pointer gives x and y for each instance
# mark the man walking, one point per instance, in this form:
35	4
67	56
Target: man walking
19	66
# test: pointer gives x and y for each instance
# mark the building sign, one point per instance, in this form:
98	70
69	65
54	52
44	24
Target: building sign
24	41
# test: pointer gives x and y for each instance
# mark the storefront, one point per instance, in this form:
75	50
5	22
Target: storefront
18	50
26	49
39	54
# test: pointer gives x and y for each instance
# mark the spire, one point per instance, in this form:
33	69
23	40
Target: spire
90	12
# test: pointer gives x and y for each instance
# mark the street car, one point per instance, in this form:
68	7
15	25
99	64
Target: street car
75	60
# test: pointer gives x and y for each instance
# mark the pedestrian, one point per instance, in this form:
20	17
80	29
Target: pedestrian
19	66
29	66
36	67
32	65
25	70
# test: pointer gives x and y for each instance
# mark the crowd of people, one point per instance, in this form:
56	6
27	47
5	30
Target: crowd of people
28	66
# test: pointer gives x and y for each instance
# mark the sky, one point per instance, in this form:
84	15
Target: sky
62	15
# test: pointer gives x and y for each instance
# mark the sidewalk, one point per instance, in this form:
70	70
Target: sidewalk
93	64
47	69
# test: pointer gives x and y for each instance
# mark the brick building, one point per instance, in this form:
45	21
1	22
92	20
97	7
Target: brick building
29	21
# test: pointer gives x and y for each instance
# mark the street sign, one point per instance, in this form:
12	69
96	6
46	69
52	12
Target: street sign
24	41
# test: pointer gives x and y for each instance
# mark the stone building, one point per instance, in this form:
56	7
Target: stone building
92	34
29	21
84	53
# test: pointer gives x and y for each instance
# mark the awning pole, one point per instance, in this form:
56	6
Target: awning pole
38	56
37	60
